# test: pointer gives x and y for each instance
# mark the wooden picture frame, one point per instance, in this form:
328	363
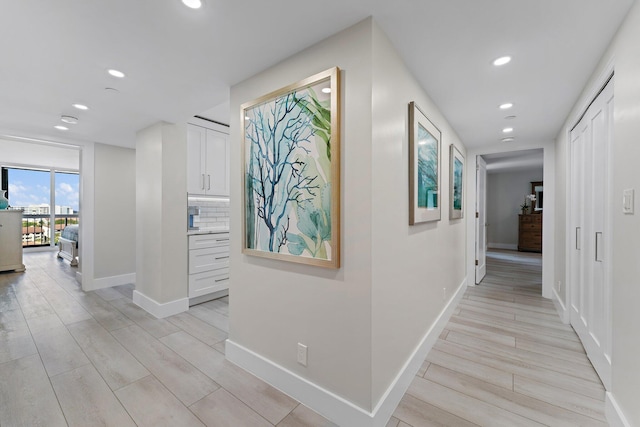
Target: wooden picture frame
291	172
425	141
456	183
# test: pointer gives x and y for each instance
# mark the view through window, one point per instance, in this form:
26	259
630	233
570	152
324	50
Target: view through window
31	190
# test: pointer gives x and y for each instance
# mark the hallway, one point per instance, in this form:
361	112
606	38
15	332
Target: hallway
73	358
505	359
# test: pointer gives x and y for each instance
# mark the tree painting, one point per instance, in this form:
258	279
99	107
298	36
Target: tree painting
427	169
288	173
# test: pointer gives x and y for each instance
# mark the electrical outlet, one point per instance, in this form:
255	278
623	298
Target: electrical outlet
559	285
627	201
302	354
444	294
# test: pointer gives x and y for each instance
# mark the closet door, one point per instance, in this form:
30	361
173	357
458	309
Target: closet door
590	221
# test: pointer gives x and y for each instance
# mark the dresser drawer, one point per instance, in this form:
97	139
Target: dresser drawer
208	259
208	282
200	241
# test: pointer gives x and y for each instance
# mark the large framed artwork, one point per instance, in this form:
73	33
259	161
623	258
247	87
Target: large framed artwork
456	184
291	172
424	167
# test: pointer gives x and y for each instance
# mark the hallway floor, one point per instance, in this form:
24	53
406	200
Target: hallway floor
81	359
505	359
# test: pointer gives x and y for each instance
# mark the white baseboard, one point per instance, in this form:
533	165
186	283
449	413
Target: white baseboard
614	413
330	405
508	246
561	308
108	282
160	310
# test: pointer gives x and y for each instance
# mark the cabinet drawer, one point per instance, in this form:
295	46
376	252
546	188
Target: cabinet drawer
208	282
208	259
200	241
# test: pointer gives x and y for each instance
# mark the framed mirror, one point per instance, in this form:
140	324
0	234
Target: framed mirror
538	189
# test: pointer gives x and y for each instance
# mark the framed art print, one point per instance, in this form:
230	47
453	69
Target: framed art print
424	167
456	184
291	172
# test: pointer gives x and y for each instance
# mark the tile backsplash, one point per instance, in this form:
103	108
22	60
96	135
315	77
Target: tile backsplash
214	212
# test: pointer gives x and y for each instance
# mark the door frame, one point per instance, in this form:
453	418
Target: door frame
549	229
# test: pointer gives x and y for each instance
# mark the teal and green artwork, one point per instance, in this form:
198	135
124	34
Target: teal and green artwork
456	194
424	167
291	172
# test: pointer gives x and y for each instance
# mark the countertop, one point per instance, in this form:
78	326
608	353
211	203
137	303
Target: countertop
207	231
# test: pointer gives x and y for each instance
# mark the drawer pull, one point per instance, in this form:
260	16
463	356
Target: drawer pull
222	257
598	244
222	280
223	240
578	238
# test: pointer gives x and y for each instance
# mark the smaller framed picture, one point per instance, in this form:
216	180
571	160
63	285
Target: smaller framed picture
456	184
424	167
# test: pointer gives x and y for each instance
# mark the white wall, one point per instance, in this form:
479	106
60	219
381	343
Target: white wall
115	211
23	153
623	56
363	322
274	304
506	192
161	206
411	264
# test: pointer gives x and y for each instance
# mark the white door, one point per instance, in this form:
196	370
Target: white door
590	292
481	215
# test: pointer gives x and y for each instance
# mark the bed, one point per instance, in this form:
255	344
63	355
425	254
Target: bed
68	244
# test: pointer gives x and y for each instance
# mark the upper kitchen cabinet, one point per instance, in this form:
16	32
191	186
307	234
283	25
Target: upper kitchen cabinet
207	161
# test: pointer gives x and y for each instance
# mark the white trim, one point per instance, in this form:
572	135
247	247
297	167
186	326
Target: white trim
157	309
508	246
561	308
326	403
110	281
614	413
79	277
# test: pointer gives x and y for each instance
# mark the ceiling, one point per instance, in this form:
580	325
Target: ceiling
180	62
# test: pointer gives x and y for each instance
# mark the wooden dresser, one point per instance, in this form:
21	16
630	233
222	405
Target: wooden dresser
530	233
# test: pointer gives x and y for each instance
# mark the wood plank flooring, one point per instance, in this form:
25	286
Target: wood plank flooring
74	358
505	359
81	359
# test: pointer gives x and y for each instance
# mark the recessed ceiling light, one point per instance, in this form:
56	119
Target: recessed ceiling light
506	106
59	127
193	4
507	130
326	90
508	139
69	119
247	118
510	117
116	73
80	106
502	60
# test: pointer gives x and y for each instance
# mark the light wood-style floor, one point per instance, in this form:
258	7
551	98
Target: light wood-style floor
82	359
505	359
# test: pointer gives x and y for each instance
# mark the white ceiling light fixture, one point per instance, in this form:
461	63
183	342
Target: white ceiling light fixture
80	107
69	119
116	73
326	90
502	61
507	130
193	4
508	139
60	127
506	106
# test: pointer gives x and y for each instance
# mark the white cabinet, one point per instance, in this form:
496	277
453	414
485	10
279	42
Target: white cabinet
207	161
208	263
11	240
